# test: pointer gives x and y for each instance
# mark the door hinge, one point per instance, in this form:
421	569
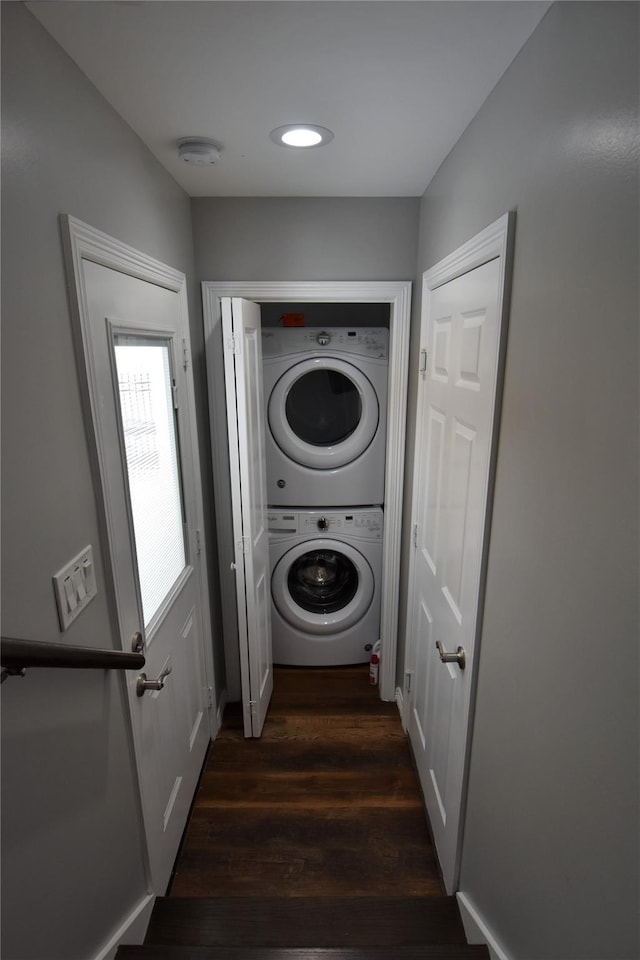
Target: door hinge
242	545
209	692
185	354
198	543
423	361
253	707
233	343
415	535
407	682
174	393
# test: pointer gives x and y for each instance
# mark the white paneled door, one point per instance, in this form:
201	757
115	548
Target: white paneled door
457	394
135	340
241	330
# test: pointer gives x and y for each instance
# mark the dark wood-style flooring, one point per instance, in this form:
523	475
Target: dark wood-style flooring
325	804
310	843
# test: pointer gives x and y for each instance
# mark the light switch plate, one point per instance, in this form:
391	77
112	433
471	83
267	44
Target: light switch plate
75	586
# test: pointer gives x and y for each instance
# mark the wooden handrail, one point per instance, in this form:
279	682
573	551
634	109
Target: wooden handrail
16	656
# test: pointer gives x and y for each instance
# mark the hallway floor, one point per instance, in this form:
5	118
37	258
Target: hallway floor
325	804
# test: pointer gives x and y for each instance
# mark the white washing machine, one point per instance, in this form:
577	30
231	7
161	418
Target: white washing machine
326	405
326	567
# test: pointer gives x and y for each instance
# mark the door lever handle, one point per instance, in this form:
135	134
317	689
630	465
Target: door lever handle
458	657
142	684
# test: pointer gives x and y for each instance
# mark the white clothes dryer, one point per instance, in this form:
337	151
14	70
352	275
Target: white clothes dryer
326	403
326	567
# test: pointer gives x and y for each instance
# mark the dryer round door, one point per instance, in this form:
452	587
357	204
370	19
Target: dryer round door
323	413
322	586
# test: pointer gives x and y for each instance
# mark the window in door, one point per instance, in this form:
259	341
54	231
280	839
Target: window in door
145	388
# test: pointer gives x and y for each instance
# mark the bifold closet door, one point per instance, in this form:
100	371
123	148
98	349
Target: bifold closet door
245	419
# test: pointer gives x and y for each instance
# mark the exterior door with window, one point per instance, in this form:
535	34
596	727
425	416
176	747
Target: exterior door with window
135	340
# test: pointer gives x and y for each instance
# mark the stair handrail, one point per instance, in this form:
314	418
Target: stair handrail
16	656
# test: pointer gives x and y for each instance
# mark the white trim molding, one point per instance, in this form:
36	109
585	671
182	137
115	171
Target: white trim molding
222	706
132	929
398	295
476	928
491	242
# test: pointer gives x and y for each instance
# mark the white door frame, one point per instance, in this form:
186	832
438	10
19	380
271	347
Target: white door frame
495	241
398	295
83	242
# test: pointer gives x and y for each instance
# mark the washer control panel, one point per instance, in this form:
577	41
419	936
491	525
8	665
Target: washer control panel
282	522
371	342
309	523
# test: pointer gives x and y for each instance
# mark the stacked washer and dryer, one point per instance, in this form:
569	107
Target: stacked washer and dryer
326	403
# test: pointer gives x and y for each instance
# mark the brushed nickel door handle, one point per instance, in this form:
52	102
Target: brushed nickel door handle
142	684
458	657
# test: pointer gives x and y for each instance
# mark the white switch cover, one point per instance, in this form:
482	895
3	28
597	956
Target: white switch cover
74	586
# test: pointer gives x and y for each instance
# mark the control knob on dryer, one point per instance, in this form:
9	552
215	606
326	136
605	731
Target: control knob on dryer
323	338
323	523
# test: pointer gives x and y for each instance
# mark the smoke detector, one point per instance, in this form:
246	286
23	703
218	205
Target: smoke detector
198	151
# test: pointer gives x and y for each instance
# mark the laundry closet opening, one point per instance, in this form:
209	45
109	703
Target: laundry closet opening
325	434
325	378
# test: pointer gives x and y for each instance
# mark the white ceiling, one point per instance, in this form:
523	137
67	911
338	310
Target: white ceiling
396	81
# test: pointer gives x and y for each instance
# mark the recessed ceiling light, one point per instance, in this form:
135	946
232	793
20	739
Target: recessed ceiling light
301	135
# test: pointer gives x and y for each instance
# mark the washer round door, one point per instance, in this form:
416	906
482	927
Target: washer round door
322	586
323	413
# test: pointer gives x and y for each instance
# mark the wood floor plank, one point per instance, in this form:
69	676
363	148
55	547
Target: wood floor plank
341	727
309	922
340	825
309	788
332	727
381	753
183	952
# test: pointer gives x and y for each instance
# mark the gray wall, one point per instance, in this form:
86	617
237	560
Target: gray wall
71	853
550	850
305	238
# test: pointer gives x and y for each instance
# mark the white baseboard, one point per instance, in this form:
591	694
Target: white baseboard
222	703
476	928
400	702
131	930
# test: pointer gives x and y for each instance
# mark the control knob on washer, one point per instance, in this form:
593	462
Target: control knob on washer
323	523
323	339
